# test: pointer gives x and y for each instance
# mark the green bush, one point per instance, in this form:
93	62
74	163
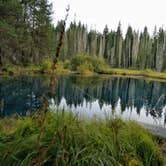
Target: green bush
9	69
67	64
46	65
94	63
83	68
78	60
61	70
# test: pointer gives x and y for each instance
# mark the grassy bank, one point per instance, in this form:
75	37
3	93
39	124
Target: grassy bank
44	68
87	65
129	72
83	64
31	70
62	138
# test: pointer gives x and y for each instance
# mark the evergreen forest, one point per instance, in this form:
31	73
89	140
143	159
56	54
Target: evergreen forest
28	36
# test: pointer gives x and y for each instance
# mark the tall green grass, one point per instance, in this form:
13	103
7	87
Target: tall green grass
61	138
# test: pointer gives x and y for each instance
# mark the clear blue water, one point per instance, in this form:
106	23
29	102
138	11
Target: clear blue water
88	96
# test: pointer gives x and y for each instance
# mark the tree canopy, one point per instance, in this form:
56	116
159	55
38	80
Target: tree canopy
28	35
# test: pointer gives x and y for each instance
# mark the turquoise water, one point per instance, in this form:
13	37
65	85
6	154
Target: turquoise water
87	96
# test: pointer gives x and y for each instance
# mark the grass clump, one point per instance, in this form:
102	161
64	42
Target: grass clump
66	139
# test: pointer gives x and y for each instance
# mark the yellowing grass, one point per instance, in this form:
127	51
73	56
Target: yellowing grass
129	72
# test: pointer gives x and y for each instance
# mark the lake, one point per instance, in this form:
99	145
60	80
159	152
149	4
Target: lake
100	96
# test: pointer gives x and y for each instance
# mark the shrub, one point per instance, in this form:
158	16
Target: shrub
78	60
67	64
61	70
9	69
46	65
93	63
85	67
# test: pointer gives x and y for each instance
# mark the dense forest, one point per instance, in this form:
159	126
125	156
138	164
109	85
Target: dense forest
27	36
25	31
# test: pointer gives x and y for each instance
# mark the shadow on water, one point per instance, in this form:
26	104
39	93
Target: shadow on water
127	97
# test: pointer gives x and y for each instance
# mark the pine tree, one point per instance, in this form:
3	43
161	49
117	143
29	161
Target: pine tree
118	47
128	48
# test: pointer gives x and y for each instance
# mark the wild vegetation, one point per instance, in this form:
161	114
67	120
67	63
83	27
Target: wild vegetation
62	138
135	50
30	43
85	63
28	37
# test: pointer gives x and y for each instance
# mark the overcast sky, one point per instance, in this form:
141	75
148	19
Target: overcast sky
97	13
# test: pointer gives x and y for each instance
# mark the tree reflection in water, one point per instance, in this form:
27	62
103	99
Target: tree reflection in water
136	98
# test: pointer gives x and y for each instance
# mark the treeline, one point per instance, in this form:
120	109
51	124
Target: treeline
135	50
25	31
27	36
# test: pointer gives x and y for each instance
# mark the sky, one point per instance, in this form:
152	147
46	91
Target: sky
97	13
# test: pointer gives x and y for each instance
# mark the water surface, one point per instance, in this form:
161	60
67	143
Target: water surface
88	96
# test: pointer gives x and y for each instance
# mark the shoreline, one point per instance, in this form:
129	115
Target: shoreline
128	73
136	73
157	131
